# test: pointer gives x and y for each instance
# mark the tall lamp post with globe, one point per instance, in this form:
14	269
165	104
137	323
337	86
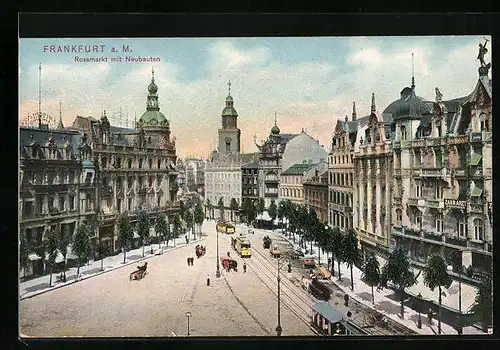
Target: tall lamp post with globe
282	262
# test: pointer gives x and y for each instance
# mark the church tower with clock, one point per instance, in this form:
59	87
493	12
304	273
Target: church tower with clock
229	134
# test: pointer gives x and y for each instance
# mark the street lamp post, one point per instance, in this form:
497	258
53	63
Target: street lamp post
217	272
188	315
281	263
419	321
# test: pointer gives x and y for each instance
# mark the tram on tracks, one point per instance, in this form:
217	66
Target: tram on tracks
225	227
328	321
242	245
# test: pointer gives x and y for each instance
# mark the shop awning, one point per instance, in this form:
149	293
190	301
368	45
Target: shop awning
475	159
476	192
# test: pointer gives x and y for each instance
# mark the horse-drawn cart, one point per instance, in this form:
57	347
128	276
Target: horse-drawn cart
200	251
139	273
228	264
266	242
275	253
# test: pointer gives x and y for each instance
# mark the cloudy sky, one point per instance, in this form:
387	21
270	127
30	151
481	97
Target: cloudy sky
308	82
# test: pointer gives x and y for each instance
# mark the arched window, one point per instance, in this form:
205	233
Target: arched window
399	217
439	222
418	219
403	132
483	119
130	163
478	230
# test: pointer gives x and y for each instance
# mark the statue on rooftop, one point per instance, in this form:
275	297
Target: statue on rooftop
482	51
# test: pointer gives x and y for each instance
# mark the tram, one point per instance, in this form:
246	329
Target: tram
242	246
330	322
225	227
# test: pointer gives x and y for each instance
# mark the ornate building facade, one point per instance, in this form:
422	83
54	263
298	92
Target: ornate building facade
250	181
223	174
135	168
341	171
373	178
443	172
270	164
57	188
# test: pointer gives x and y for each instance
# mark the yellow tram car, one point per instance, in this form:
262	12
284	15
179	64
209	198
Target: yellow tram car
242	246
225	227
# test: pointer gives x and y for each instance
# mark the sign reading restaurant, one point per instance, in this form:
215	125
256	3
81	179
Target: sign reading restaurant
453	203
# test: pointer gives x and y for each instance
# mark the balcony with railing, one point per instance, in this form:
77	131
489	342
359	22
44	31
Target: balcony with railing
435	203
458	140
433	172
413	201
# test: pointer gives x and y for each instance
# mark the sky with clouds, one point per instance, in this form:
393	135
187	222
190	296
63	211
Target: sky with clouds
308	82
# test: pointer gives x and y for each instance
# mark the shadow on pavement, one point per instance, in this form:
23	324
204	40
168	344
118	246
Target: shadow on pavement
37	287
346	282
366	296
389	307
91	271
134	257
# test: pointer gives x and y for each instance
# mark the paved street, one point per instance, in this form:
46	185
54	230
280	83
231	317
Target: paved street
109	304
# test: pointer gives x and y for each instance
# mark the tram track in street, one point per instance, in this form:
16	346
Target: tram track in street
296	301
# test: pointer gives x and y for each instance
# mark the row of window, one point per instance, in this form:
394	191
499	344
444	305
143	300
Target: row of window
341	179
116	162
341	198
339	220
439	224
291	192
344	159
292	179
210	176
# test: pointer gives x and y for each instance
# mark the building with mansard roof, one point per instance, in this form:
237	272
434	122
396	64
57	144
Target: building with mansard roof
443	178
270	164
57	189
135	167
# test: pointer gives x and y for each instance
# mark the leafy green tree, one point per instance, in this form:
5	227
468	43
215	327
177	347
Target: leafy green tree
143	226
435	275
177	225
81	245
483	304
52	245
220	206
161	228
189	220
23	252
337	249
63	243
350	251
273	211
125	233
199	216
322	238
371	273
397	270
261	206
233	206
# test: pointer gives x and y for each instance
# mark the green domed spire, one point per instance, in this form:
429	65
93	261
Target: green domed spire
153	117
275	130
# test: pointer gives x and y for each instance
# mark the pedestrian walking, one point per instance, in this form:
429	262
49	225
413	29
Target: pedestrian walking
244	267
329	262
188	261
208	280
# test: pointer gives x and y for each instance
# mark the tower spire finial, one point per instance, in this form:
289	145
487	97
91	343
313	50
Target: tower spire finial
374	109
40	95
412	72
60	126
152	74
353	111
275	118
229	85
